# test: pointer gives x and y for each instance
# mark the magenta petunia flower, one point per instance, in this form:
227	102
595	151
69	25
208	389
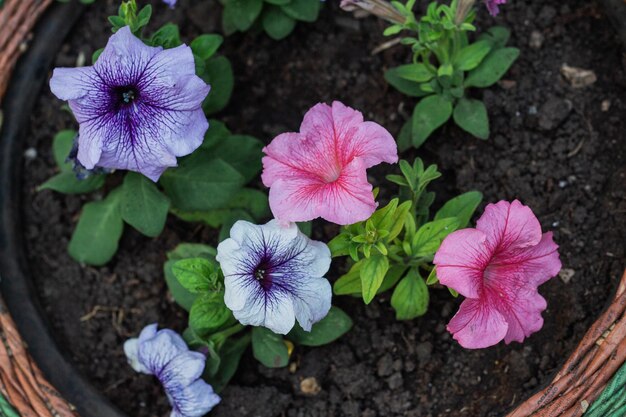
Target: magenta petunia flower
492	6
138	107
321	171
498	266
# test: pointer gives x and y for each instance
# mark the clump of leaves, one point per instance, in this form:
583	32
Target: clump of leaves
276	17
208	185
446	64
394	248
197	285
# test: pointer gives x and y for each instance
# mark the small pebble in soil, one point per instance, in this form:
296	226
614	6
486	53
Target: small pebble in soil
554	112
310	386
566	275
605	105
578	77
395	381
30	154
536	39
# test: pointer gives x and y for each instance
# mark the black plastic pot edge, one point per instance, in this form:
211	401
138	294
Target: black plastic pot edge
15	278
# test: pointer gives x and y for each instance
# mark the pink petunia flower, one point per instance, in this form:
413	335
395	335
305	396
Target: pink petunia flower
321	171
498	266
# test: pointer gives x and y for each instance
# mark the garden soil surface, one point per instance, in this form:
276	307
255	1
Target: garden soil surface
559	149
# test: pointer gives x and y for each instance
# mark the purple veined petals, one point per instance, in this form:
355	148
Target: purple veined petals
138	107
274	275
164	354
492	6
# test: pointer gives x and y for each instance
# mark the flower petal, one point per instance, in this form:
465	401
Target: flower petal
460	261
182	370
312	302
477	324
523	315
346	200
131	350
194	400
157	351
72	83
279	312
509	226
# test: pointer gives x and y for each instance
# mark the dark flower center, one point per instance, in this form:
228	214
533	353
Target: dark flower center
263	274
126	94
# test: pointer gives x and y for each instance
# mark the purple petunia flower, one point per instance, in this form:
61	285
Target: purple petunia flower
274	275
164	354
170	3
138	107
492	6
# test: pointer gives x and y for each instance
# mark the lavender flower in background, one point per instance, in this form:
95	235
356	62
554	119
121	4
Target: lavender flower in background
164	354
138	107
492	6
274	275
170	3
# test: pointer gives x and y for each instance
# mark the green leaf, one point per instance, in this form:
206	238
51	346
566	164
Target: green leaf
166	36
492	68
409	88
350	282
339	245
305	10
218	73
392	277
143	206
242	13
429	114
215	134
471	116
410	298
432	277
428	238
196	275
208	313
269	348
230	355
61	147
66	182
97	234
278	2
143	17
372	273
498	36
96	55
205	46
472	55
330	328
243	153
399	220
276	23
414	72
200	183
183	297
462	207
405	137
383	218
233	217
306	227
252	201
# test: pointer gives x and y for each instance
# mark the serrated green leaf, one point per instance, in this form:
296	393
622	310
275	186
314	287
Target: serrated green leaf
196	275
429	114
208	313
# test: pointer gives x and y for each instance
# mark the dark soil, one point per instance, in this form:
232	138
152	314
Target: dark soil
552	146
